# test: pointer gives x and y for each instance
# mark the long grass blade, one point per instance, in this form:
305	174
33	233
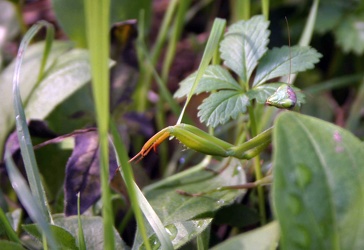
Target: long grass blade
26	146
97	15
212	44
30	204
138	201
81	237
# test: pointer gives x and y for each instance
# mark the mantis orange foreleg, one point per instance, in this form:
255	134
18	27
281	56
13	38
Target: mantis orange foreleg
198	140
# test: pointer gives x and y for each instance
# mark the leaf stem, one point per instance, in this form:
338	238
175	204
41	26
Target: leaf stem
258	170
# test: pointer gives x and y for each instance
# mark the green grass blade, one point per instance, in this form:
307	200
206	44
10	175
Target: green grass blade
26	146
306	36
175	36
28	200
97	29
353	120
145	79
310	25
137	198
212	45
81	237
8	228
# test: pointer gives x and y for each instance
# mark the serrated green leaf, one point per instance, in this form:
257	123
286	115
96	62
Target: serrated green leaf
350	33
244	44
215	77
318	188
284	61
262	92
219	107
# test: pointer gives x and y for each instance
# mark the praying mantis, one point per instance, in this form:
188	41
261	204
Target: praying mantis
200	141
194	138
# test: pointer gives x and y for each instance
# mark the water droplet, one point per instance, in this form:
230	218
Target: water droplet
201	223
154	243
220	202
239	168
294	204
182	160
304	175
302	237
172	231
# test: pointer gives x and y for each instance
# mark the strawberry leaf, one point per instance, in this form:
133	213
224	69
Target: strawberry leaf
244	44
276	62
215	77
219	107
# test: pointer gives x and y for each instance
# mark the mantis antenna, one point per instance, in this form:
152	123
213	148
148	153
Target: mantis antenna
284	97
289	46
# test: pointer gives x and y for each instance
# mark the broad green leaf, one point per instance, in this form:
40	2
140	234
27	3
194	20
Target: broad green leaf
350	33
219	107
77	111
262	92
215	77
9	245
244	44
284	61
28	78
173	207
69	73
64	238
318	188
262	238
92	229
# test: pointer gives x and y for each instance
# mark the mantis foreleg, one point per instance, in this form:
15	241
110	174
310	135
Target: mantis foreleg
200	141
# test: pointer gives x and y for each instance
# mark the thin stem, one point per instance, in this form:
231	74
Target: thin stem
258	171
265	9
145	80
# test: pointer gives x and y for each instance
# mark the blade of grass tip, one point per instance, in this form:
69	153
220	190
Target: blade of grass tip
27	199
81	237
26	146
175	36
47	48
97	15
212	45
8	228
310	25
137	198
145	79
306	36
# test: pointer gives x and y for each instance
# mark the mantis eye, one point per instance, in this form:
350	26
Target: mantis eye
283	98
